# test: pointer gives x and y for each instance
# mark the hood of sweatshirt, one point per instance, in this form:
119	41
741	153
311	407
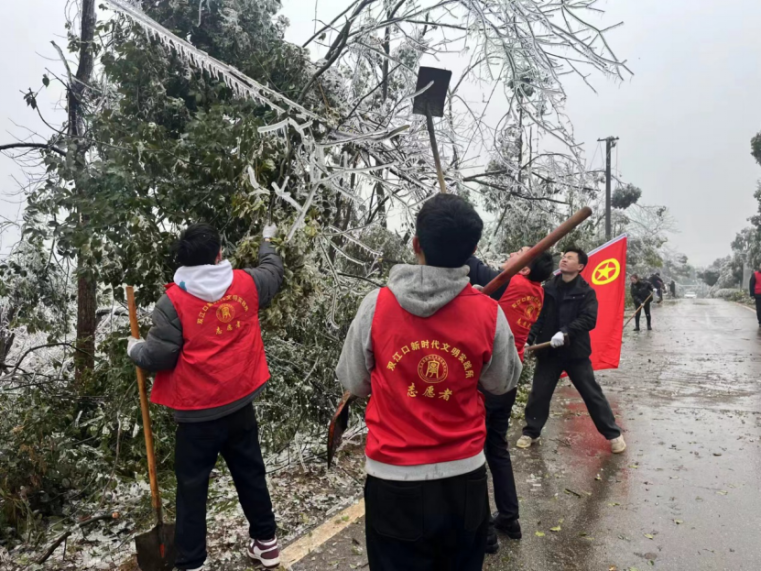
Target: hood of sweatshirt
423	290
207	282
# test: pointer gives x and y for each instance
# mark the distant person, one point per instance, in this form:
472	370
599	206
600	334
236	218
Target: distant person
568	315
421	348
658	285
641	293
206	346
521	299
672	288
755	291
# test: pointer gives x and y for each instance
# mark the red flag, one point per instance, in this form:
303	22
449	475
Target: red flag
606	273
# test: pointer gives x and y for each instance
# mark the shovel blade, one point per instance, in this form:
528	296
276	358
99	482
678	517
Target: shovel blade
338	426
155	549
432	100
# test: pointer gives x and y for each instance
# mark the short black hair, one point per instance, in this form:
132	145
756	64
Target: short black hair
198	245
583	258
448	229
541	268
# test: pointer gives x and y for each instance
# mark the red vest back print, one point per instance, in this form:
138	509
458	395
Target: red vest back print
522	302
758	283
222	358
425	406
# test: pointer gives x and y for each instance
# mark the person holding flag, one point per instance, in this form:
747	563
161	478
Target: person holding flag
568	315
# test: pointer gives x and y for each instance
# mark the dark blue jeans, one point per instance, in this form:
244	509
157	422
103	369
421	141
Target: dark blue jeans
198	446
498	410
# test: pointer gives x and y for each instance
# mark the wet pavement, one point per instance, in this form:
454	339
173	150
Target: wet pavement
686	495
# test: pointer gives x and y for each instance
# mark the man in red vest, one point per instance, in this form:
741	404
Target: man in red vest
755	291
521	300
206	346
421	348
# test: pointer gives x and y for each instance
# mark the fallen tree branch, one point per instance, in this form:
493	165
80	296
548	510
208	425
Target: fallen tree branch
82	524
18	363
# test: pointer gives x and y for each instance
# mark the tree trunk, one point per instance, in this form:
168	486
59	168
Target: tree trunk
6	343
86	284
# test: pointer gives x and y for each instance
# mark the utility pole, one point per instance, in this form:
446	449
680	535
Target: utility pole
610	142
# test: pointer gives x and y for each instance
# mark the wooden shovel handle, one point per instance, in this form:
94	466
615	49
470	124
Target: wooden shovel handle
538	347
649	297
519	262
141	385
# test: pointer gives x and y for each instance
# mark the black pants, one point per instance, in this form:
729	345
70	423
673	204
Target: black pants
432	525
646	310
758	308
498	409
198	445
582	376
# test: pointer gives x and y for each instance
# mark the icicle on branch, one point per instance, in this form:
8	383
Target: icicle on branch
238	82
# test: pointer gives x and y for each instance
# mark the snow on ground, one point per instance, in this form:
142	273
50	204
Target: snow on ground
304	493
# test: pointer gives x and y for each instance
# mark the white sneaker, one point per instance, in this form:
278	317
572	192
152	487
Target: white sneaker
526	442
617	445
265	552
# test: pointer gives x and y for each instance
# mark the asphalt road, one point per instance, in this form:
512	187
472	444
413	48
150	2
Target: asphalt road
687	493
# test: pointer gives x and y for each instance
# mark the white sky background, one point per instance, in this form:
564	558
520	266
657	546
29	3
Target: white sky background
685	119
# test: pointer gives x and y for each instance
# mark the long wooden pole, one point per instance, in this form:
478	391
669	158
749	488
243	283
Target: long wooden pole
435	149
519	262
546	345
141	385
636	313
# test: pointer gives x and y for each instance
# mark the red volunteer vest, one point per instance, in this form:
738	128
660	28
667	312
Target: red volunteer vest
522	302
758	283
425	406
222	358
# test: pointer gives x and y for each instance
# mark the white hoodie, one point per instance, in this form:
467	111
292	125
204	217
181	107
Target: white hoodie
208	282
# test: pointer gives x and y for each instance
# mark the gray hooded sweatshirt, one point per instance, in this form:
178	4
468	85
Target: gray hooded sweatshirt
422	291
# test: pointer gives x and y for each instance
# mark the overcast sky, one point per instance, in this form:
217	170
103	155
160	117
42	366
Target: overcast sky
685	119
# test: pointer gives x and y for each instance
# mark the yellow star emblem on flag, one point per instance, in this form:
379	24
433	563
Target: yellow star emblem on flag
606	272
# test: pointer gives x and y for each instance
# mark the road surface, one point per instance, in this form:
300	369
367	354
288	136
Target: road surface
687	493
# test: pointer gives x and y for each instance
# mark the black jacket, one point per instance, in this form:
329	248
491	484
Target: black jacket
575	315
640	292
481	274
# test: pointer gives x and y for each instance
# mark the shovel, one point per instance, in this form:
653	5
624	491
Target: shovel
155	549
433	83
338	425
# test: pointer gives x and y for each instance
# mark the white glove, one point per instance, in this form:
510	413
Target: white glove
132	342
478	287
558	340
270	231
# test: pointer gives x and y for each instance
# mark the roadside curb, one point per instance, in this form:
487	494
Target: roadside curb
302	547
